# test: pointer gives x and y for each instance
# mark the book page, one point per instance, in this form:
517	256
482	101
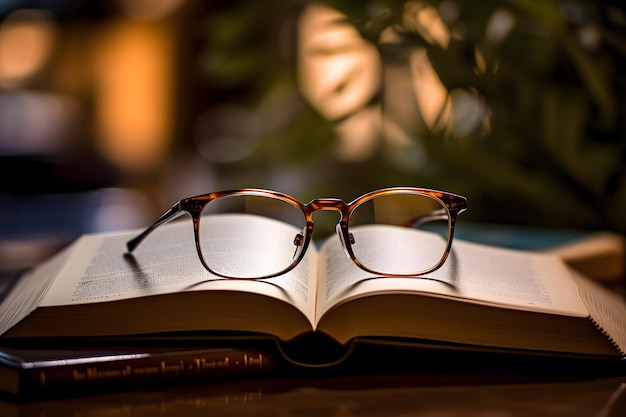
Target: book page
473	272
29	290
100	270
606	308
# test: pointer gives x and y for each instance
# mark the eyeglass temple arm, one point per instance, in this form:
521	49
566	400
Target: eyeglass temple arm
167	216
440	214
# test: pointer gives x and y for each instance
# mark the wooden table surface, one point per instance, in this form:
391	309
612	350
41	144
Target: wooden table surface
379	396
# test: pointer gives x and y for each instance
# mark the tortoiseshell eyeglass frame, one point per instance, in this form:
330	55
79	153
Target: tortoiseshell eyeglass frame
454	205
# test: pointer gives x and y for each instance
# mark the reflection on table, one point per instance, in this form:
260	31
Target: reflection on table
424	395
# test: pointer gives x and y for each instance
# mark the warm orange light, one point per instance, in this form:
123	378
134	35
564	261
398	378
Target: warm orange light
425	19
26	41
430	93
134	94
458	112
339	73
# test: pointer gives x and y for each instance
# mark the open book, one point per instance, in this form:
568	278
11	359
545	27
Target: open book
482	297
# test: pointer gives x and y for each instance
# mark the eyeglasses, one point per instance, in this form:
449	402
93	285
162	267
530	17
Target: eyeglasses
257	234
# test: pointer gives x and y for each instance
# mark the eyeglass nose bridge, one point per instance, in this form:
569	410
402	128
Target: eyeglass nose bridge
327	204
340	206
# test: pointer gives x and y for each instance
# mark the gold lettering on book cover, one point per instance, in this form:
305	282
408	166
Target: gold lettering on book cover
164	368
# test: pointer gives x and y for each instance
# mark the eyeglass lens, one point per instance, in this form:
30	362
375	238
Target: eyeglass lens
248	236
399	234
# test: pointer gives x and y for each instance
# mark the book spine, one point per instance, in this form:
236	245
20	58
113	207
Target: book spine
137	370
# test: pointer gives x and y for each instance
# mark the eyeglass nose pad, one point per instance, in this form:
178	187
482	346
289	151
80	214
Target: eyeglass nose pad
342	237
298	241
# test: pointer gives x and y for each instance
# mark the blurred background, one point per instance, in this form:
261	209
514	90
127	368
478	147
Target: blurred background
110	111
